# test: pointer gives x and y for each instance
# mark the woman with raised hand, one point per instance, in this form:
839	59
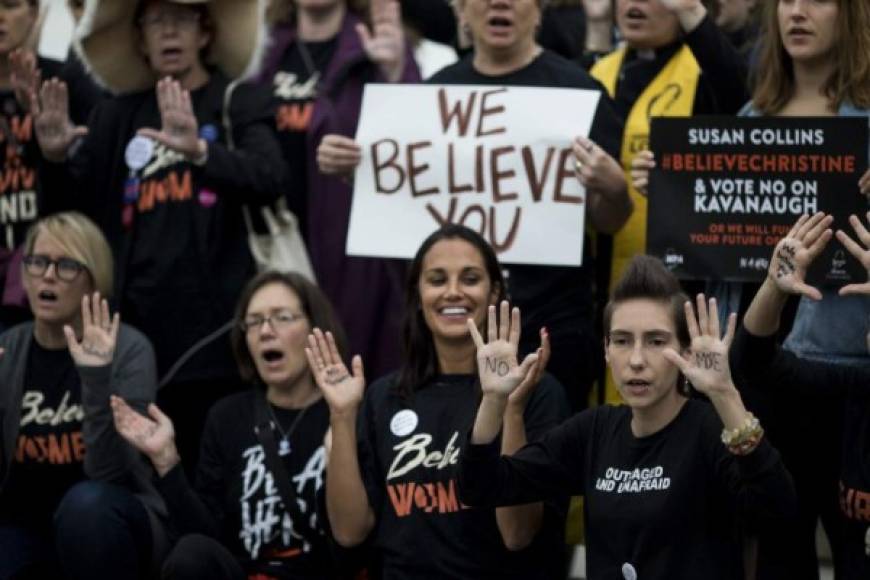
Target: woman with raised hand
395	447
670	481
21	187
842	390
165	167
558	298
321	55
251	511
73	495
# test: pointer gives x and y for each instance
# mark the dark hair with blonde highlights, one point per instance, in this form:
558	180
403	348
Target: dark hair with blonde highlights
773	77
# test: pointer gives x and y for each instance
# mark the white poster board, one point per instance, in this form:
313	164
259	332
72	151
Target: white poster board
496	159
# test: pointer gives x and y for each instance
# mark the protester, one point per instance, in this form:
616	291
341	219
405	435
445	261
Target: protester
675	63
600	27
821	386
738	20
558	298
75	500
234	522
19	153
392	466
170	199
668	492
322	55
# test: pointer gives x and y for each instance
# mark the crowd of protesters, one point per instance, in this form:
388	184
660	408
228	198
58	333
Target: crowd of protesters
226	429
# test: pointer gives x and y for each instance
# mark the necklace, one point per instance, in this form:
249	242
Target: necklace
306	57
284	443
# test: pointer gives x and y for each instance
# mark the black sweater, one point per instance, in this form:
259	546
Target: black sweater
819	386
722	87
669	506
181	255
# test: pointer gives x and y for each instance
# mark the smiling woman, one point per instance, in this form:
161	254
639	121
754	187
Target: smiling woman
395	449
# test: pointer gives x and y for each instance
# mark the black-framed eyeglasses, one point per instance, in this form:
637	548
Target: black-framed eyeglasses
278	320
67	269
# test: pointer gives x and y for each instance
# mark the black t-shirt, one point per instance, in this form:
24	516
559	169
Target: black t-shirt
408	458
295	88
559	298
20	188
169	293
666	506
238	491
49	450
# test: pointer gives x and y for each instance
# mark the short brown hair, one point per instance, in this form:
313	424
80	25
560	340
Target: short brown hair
773	77
315	305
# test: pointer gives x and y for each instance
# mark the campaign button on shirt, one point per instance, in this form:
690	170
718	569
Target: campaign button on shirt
404	422
138	153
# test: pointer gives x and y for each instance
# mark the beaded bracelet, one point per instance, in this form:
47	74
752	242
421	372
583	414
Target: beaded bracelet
744	438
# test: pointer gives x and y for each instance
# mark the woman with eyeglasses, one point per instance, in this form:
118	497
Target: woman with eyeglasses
235	519
73	495
165	167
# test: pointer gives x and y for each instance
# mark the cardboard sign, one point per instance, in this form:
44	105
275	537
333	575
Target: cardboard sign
495	159
726	189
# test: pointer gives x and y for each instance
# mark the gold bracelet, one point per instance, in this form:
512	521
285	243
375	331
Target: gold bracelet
744	431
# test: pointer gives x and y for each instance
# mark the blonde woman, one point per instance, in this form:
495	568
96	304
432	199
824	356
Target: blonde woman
63	463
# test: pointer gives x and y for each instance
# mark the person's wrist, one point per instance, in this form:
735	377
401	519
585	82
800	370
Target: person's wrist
199	157
343	416
165	460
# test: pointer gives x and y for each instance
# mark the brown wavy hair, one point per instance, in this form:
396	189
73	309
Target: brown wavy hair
773	77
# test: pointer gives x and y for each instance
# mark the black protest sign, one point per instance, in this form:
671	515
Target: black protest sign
726	189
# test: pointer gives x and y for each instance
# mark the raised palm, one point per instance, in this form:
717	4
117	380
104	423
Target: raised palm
860	251
796	251
343	391
706	367
154	435
55	131
500	373
179	128
385	44
99	334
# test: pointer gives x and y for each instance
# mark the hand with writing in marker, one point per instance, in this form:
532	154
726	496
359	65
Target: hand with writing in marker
796	251
55	131
385	44
338	155
641	165
706	366
520	397
500	374
24	76
861	252
343	391
153	435
99	334
179	128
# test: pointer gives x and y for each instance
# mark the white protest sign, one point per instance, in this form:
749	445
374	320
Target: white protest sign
496	159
